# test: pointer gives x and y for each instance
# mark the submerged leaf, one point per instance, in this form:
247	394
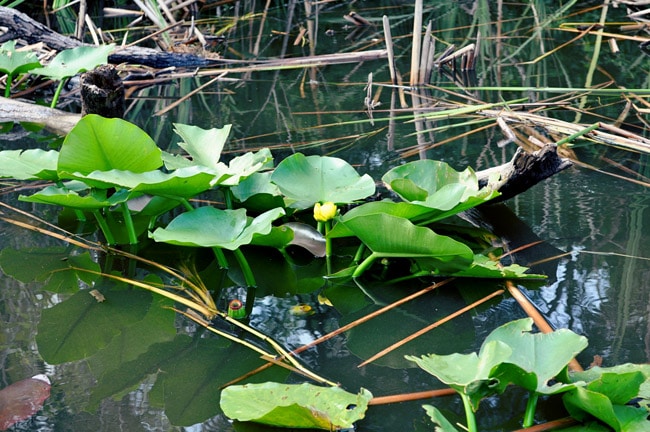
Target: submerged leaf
300	406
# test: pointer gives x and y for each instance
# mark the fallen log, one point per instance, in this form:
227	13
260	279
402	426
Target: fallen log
54	120
21	26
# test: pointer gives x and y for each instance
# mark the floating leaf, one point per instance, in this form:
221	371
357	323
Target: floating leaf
483	267
300	406
29	164
72	61
100	144
211	227
306	180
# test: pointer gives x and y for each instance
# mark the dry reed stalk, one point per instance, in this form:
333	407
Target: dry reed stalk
417	43
425	61
405	397
389	50
430	327
615	137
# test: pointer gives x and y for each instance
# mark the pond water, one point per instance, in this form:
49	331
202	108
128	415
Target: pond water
592	218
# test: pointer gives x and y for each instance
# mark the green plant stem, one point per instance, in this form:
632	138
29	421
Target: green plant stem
365	264
128	222
578	134
221	258
359	254
57	93
469	413
104	227
246	269
531	405
8	86
186	204
328	247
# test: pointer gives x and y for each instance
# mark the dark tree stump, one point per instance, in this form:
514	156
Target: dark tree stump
102	92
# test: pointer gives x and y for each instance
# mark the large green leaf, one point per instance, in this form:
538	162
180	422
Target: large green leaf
299	406
72	61
435	184
306	180
541	356
100	144
29	164
606	397
391	236
211	227
80	326
183	182
14	62
203	145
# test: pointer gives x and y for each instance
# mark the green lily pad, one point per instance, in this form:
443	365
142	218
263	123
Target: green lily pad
72	61
391	236
306	180
510	354
435	184
299	406
100	144
76	195
203	145
32	164
183	182
211	227
14	62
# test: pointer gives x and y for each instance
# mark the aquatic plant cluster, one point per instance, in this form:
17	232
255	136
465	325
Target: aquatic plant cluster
112	171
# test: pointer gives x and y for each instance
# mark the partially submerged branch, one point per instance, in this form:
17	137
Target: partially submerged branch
523	171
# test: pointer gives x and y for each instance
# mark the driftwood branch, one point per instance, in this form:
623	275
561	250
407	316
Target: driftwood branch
54	120
523	171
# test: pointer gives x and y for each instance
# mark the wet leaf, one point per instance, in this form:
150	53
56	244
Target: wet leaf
300	406
203	145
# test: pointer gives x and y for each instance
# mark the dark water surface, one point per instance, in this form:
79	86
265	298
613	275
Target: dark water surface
600	289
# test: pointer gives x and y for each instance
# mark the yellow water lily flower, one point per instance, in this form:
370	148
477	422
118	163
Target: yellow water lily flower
324	212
